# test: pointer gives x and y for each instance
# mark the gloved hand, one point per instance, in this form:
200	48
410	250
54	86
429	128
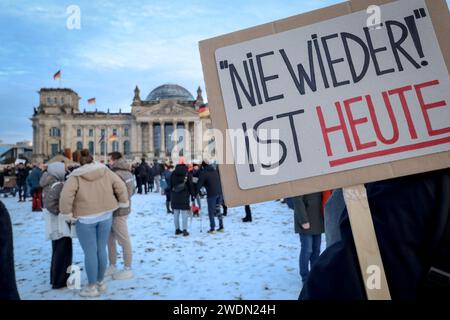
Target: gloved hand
69	218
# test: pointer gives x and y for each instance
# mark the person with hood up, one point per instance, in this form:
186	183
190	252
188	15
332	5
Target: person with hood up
182	190
210	179
119	230
90	196
57	229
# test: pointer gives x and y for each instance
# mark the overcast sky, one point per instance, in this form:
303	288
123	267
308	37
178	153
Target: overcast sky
120	44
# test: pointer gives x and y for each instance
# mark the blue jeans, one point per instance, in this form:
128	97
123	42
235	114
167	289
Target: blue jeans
333	212
93	239
309	252
213	202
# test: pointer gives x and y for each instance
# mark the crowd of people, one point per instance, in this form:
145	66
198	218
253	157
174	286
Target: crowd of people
91	201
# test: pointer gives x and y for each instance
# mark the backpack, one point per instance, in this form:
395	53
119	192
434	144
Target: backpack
51	197
181	186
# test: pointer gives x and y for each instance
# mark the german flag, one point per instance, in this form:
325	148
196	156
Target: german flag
91	101
57	75
203	111
113	137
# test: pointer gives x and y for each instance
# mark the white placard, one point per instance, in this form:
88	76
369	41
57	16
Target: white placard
369	94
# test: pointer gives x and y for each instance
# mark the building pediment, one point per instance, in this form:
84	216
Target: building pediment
166	109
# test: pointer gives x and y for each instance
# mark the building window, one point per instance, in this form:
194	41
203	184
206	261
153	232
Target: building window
55	132
91	147
49	101
78	132
56	100
79	145
102	148
126	132
55	149
62	100
115	146
126	147
103	133
91	132
114	132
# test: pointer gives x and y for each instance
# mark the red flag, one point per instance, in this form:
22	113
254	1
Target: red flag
57	75
91	101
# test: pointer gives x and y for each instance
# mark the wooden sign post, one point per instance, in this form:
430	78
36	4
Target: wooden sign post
366	244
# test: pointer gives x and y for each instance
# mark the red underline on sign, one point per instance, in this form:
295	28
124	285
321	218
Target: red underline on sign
416	146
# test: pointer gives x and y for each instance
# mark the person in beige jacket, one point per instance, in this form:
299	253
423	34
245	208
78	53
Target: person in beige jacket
90	195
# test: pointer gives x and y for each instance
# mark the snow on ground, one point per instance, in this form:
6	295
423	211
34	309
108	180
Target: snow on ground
257	260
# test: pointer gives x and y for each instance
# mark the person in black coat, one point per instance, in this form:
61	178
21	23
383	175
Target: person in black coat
209	178
143	170
151	176
181	192
21	178
8	286
410	216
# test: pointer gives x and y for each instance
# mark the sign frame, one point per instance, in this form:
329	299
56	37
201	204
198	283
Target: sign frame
233	194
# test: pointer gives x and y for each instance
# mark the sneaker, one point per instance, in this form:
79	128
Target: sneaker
221	229
124	274
90	291
212	231
110	271
185	233
101	286
178	231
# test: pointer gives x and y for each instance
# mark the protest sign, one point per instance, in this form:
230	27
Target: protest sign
352	98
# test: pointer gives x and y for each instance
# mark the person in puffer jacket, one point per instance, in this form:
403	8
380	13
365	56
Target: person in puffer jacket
57	229
89	197
119	230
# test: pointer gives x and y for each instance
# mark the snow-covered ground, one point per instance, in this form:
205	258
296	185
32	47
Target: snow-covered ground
257	260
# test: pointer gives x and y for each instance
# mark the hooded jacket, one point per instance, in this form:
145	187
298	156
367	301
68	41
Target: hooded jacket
33	178
92	189
52	182
210	179
123	170
180	176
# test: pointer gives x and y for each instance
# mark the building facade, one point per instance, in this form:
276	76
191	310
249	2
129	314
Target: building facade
148	131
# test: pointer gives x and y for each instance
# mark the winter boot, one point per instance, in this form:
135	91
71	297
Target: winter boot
168	207
178	231
185	233
101	286
90	291
124	274
110	270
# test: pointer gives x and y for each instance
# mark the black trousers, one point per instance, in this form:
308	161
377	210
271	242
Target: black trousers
248	212
61	260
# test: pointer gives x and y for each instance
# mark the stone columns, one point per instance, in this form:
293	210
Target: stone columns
150	138
42	143
139	139
163	139
187	140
